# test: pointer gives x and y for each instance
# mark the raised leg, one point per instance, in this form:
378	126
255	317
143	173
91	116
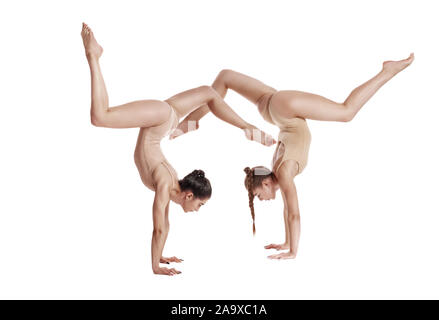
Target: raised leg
315	107
142	113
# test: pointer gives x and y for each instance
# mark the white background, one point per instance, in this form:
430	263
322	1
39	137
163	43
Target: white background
75	219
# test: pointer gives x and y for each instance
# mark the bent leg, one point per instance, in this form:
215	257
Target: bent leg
189	100
246	86
315	107
250	88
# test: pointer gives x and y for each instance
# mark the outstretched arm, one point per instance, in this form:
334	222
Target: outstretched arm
170	259
285	177
161	227
286	244
293	220
246	86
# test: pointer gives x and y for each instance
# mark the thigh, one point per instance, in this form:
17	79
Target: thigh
137	114
308	106
189	100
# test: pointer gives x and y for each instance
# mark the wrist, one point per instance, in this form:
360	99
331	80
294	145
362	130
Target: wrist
155	267
248	126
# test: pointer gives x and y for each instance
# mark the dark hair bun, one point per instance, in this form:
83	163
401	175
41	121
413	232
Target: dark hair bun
247	170
197	183
197	173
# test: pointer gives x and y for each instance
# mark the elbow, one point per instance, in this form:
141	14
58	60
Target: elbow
293	217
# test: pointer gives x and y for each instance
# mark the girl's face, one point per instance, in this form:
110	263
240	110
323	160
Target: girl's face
190	203
266	191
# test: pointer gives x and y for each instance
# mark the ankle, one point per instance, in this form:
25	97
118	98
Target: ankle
386	75
91	57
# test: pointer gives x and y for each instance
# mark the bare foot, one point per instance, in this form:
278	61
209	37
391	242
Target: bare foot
92	48
255	134
394	67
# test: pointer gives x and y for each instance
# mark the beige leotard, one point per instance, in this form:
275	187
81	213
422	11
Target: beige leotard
148	155
294	137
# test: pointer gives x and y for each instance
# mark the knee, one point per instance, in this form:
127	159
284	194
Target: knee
207	91
205	88
224	76
224	73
